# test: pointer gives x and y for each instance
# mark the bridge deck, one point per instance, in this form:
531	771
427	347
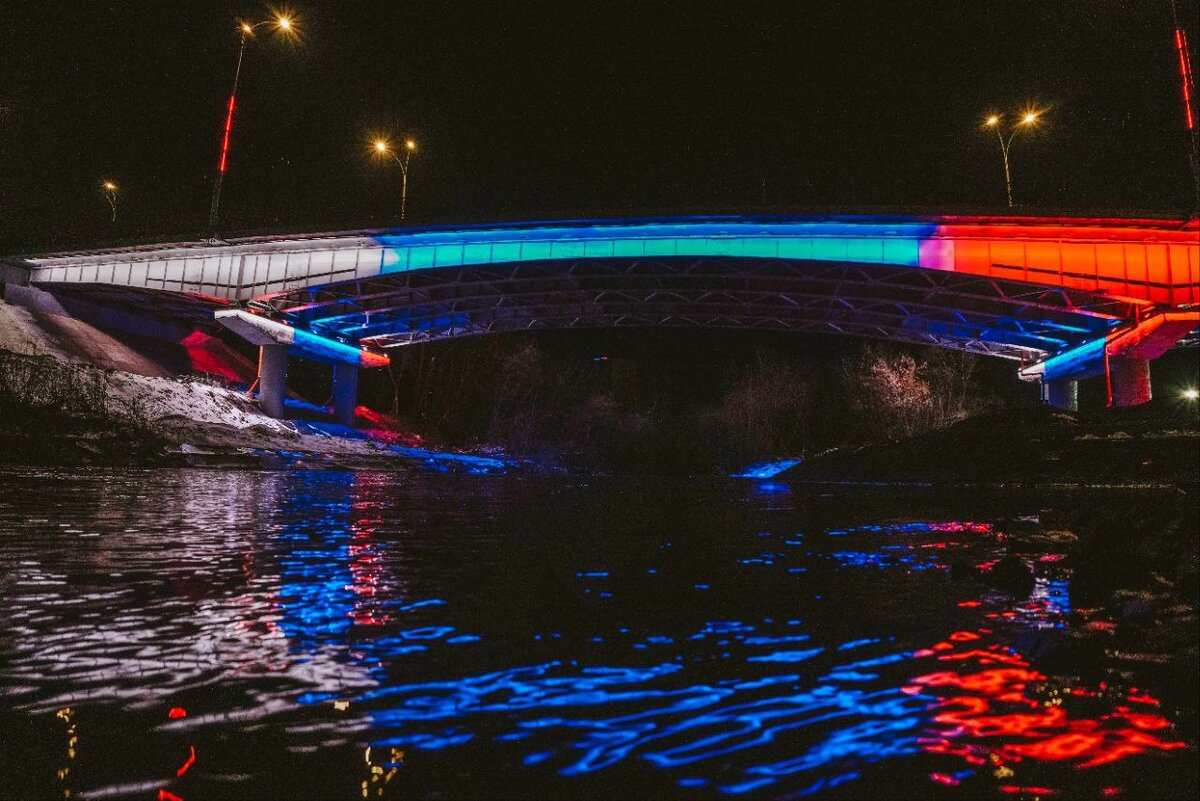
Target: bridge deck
1017	287
1140	261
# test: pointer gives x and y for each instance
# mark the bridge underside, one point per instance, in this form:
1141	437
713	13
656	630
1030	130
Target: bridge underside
978	314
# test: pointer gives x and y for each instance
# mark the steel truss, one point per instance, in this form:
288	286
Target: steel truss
975	313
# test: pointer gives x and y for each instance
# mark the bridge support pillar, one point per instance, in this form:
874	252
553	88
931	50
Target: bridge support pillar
1061	395
1128	381
272	378
345	393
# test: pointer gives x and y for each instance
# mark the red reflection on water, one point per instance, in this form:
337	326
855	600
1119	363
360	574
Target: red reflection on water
955	526
942	778
993	654
992	713
1009	788
366	570
177	712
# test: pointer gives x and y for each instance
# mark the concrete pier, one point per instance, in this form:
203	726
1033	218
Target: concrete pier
1061	395
272	378
1128	381
345	393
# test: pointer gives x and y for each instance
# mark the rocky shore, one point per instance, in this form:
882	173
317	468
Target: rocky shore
64	414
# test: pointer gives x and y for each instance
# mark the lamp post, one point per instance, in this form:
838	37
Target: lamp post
382	148
110	194
247	29
1026	120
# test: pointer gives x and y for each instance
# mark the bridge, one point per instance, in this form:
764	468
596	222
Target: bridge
1065	298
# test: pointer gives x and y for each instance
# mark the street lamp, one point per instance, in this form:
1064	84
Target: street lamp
247	29
1027	119
1191	393
382	148
110	194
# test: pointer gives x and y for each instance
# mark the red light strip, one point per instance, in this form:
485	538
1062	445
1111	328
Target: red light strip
191	760
228	126
1185	74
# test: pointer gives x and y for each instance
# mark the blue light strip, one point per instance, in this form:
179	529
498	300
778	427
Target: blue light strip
895	243
765	469
1083	361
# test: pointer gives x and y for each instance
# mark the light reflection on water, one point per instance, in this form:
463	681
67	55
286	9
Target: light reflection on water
535	635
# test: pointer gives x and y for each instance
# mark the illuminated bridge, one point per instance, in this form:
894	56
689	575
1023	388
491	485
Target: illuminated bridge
1065	298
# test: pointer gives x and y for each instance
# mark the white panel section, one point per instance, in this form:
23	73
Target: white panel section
193	274
345	262
276	272
370	261
297	265
321	262
174	278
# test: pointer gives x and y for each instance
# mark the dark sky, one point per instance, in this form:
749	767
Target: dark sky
527	109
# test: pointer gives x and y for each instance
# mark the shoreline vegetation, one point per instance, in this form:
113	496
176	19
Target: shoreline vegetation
64	414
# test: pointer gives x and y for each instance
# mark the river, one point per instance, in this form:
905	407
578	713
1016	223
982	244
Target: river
192	634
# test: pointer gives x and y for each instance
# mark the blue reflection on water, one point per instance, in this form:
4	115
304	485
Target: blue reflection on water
577	719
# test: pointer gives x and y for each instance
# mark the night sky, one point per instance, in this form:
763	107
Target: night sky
563	109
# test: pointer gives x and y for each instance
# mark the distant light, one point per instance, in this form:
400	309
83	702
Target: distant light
284	23
410	144
247	27
992	120
381	146
109	186
1191	393
1029	118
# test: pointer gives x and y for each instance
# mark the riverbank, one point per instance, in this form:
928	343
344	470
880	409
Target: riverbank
1031	446
62	414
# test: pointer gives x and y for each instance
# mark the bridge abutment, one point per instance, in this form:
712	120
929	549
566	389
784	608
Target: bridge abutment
1128	381
1061	395
345	393
272	378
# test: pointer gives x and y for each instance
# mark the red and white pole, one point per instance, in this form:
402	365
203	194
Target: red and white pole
215	208
1188	89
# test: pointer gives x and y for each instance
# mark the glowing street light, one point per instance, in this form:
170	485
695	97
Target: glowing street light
110	194
282	24
1027	120
384	148
1191	393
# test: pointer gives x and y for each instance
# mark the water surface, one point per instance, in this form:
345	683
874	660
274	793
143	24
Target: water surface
201	634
